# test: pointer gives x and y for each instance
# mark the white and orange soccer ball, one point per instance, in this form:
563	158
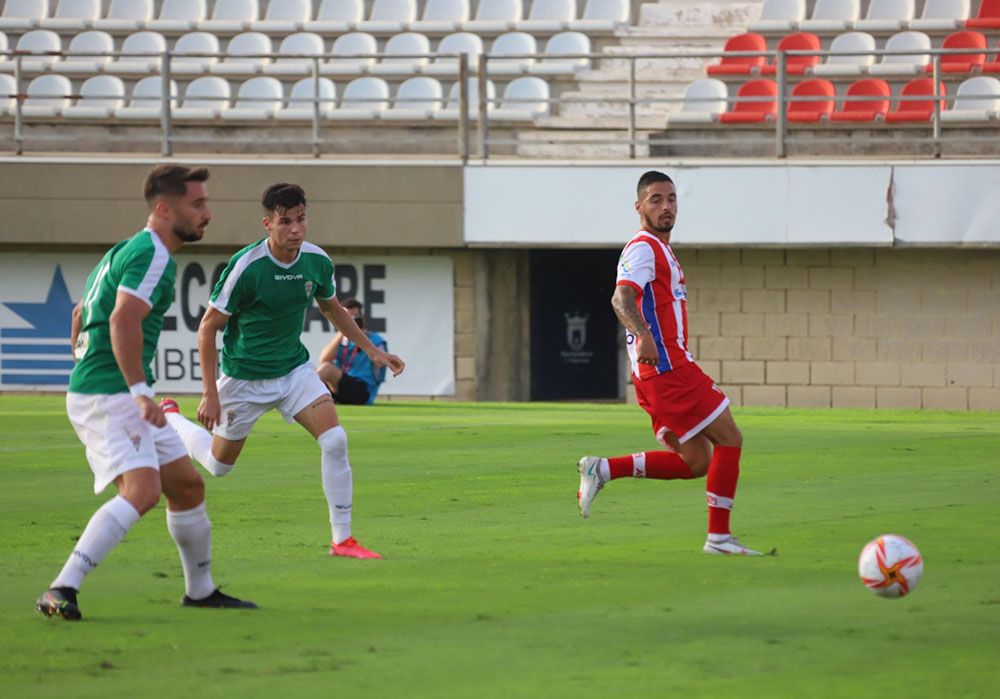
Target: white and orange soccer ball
890	566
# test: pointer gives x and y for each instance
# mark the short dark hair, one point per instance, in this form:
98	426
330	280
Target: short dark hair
170	179
282	197
353	303
649	178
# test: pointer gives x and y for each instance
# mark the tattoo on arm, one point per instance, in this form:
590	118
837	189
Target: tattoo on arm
623	303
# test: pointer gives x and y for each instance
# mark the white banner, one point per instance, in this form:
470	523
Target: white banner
409	301
949	203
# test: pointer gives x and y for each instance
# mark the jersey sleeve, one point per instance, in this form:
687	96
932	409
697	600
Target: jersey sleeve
229	291
327	287
139	269
636	266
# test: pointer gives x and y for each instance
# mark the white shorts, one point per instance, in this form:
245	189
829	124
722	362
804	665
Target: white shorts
243	401
117	438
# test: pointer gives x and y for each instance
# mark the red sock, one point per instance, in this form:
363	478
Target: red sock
662	465
723	473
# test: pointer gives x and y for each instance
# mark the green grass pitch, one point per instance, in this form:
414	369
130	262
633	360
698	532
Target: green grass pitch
492	584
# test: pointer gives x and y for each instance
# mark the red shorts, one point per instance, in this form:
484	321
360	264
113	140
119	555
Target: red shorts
683	401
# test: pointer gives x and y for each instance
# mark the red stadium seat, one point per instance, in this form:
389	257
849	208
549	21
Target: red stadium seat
740	65
795	65
811	110
988	17
755	102
962	62
866	100
916	110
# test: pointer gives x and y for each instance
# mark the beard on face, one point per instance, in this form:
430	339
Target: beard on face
189	235
651	225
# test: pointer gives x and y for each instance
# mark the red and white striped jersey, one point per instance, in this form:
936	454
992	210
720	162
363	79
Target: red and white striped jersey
648	265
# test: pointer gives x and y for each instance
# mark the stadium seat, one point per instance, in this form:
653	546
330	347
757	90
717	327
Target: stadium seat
740	65
178	16
126	16
183	63
389	17
300	100
47	95
941	15
910	108
495	16
450	112
416	99
442	16
779	16
298	44
364	98
73	15
140	54
562	55
100	96
548	16
847	65
8	92
832	16
147	99
903	64
258	99
795	65
602	16
962	62
337	16
401	55
511	44
244	55
284	17
988	16
22	15
756	102
704	100
351	54
523	100
231	16
866	100
460	42
6	65
204	98
886	16
811	100
977	99
88	52
39	42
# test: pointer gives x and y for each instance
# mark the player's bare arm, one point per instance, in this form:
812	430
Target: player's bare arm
75	326
209	410
623	303
126	342
339	316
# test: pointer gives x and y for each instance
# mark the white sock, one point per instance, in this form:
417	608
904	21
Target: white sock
604	471
192	532
337	484
104	531
198	442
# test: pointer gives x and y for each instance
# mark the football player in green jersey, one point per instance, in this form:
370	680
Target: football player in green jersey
110	403
260	303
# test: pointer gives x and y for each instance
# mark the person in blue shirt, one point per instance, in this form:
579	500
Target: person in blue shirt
347	371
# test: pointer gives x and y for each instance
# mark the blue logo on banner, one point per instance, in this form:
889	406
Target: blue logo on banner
39	355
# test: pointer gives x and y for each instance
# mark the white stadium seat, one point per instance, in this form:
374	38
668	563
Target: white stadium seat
298	44
178	16
39	41
364	98
344	54
244	55
100	96
338	16
548	16
138	54
389	16
8	90
84	54
285	17
837	66
401	55
704	100
511	44
6	65
495	16
416	99
204	98
523	100
258	99
126	16
442	16
903	64
559	52
231	16
977	99
147	99
183	63
602	16
461	42
832	16
451	109
47	95
886	16
23	14
73	15
941	15
300	100
779	16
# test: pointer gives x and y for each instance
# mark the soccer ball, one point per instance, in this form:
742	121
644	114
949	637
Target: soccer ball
890	566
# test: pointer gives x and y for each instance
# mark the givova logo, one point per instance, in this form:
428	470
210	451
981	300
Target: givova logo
39	355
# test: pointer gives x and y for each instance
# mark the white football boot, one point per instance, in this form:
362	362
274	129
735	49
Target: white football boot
729	546
590	482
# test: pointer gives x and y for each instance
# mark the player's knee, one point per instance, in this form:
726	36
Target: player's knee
216	467
143	498
333	443
699	464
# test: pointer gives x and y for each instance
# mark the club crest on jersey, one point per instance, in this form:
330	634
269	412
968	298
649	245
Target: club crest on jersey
576	330
309	289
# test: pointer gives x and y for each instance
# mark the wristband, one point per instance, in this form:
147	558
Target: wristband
141	389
